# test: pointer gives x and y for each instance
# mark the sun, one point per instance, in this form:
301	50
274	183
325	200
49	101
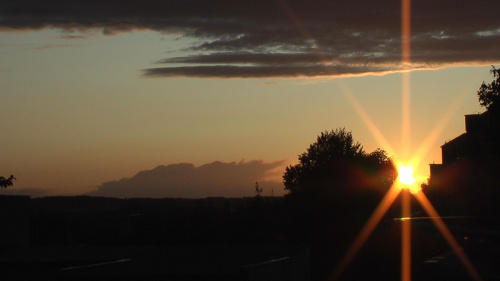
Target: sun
405	175
406	179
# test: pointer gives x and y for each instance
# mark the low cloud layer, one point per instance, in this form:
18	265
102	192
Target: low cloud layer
282	38
209	180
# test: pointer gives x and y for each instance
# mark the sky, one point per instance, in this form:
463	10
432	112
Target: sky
204	98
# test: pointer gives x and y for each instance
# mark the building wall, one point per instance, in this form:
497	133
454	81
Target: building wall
455	150
480	144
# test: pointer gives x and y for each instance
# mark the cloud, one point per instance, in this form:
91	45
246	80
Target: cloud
72	37
260	71
282	38
53	46
34	46
209	180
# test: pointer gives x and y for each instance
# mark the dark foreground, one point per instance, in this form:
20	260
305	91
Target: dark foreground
220	239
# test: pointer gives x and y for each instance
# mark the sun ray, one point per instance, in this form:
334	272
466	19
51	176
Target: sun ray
406	30
431	138
292	16
405	99
438	222
304	32
405	236
368	121
406	124
368	228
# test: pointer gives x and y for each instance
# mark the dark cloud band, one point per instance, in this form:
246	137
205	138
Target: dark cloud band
281	38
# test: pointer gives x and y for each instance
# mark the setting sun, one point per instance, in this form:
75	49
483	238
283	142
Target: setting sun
406	175
406	179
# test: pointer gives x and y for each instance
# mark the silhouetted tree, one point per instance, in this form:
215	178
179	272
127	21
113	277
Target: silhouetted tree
336	181
5	182
336	161
489	94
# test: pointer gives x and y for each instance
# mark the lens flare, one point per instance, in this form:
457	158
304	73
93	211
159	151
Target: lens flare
406	180
405	175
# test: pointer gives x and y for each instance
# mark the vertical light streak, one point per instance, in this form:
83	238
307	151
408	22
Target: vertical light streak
405	99
368	228
405	235
406	30
405	130
438	222
405	139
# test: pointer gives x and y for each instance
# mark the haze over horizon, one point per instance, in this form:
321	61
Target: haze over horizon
95	92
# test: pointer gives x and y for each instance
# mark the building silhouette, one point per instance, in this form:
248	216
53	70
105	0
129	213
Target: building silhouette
470	169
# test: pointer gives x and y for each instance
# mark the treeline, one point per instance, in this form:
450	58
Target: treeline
84	220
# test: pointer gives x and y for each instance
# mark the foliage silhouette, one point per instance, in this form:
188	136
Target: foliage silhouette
6	182
489	94
334	162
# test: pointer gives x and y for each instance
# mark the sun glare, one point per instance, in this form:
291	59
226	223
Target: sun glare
405	175
406	181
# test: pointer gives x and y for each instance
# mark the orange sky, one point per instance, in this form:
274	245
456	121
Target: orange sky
86	101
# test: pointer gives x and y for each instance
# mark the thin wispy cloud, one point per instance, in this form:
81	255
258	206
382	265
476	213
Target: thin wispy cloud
282	38
53	46
72	37
35	46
